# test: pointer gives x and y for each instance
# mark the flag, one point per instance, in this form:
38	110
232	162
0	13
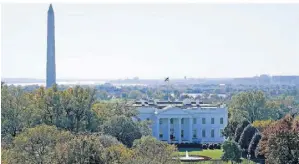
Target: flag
167	79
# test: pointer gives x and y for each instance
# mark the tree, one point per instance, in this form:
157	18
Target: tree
249	104
253	144
36	145
144	127
106	110
108	141
150	150
135	94
230	129
246	136
69	109
118	154
123	128
262	124
240	129
16	113
280	142
232	152
80	149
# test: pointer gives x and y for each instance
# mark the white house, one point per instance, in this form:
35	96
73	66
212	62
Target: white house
184	122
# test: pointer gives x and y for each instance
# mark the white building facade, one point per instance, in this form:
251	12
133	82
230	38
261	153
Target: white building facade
186	123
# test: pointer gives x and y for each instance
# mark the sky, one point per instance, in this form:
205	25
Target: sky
112	41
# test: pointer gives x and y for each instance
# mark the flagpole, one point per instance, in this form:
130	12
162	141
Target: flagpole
168	88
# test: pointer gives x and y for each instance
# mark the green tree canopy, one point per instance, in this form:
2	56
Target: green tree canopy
253	144
240	129
232	151
246	136
250	104
123	128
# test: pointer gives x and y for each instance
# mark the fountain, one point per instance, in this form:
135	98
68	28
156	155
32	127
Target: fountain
189	159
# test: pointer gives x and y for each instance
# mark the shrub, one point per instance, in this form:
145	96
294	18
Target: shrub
215	146
200	146
211	146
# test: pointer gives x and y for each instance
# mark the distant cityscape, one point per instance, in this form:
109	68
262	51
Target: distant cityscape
257	80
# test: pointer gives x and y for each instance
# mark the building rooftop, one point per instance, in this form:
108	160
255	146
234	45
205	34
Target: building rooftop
181	104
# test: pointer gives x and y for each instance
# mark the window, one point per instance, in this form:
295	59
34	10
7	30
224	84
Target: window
194	120
160	121
171	121
221	120
182	121
161	134
212	120
203	120
203	133
221	132
182	133
194	134
212	133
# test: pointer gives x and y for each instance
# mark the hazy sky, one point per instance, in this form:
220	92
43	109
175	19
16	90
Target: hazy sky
152	41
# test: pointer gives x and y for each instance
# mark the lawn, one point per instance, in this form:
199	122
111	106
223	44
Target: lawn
214	154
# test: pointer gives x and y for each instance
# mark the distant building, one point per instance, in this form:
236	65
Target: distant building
51	66
184	121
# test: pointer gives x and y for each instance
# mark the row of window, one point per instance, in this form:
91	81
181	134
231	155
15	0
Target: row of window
203	121
203	133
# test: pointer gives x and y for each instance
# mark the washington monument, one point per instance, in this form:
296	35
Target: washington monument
51	68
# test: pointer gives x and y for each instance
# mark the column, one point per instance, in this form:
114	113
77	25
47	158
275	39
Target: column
158	128
198	129
168	130
190	129
180	130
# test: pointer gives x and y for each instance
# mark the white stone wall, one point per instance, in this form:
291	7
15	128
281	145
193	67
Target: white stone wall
188	126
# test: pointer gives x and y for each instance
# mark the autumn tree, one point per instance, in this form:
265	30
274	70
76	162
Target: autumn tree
118	154
280	142
80	149
262	124
150	150
37	145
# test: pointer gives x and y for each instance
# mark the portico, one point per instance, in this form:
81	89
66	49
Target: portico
178	129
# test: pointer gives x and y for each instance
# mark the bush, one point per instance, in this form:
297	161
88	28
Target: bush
204	146
211	146
215	146
200	146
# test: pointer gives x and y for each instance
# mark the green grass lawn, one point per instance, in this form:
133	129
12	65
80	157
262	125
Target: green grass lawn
214	154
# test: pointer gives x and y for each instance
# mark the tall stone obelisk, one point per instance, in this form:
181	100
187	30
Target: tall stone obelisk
51	66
